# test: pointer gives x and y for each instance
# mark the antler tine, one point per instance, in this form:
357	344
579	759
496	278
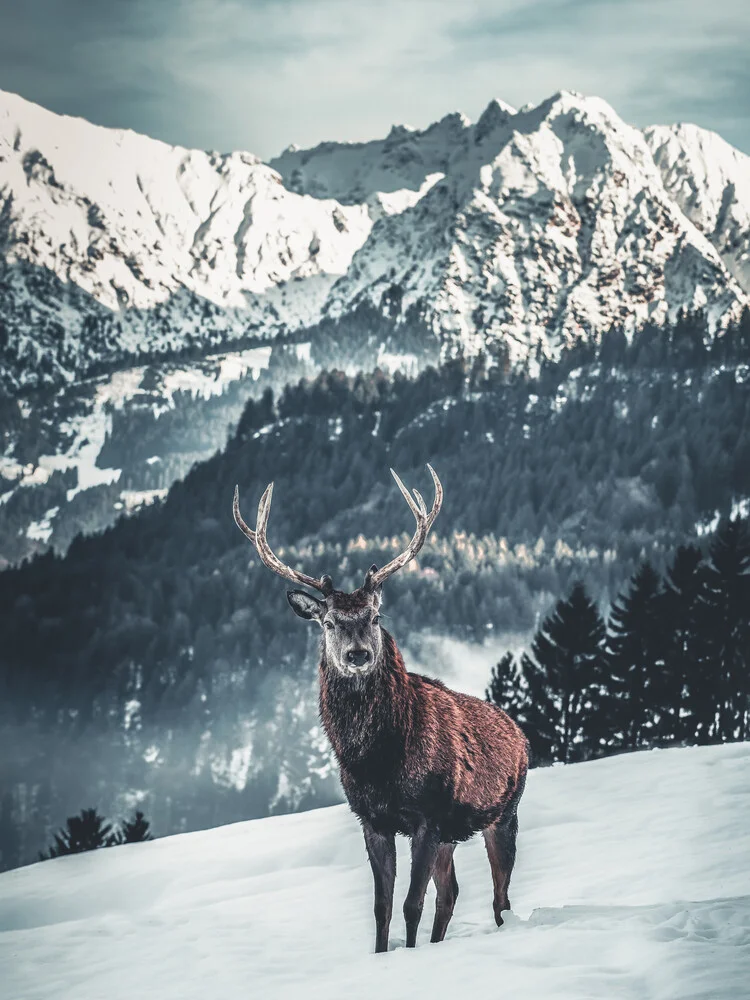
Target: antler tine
238	517
424	523
266	553
438	496
407	495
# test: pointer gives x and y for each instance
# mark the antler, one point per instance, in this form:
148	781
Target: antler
424	521
259	540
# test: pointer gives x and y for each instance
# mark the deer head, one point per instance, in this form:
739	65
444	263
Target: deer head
352	639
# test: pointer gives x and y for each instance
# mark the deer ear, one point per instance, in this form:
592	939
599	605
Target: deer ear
305	605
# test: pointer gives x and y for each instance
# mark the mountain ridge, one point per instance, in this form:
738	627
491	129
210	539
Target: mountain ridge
526	228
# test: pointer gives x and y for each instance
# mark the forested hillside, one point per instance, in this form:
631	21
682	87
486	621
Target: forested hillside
158	663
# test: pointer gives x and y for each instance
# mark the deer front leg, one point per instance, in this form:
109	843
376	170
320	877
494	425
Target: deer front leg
381	850
424	851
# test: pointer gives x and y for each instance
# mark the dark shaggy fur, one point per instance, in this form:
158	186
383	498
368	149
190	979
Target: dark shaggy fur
421	760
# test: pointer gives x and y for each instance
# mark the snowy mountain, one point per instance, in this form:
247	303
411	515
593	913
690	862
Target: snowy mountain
632	880
710	181
550	224
535	226
115	245
388	175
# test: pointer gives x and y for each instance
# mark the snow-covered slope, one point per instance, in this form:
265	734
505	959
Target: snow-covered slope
114	243
530	226
710	181
550	224
388	175
632	880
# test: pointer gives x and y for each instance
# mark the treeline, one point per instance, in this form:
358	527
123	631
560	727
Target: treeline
89	832
671	666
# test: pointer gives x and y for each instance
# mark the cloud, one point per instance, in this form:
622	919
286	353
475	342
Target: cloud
258	74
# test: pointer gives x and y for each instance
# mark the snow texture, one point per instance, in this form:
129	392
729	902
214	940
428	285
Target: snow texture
533	227
86	429
632	881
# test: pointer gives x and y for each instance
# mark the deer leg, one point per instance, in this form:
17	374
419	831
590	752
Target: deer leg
381	850
424	850
444	877
500	840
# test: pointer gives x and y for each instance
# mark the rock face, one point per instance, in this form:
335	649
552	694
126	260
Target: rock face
529	227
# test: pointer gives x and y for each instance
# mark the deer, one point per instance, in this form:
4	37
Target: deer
415	758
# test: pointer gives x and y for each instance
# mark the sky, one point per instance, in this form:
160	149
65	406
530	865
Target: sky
260	74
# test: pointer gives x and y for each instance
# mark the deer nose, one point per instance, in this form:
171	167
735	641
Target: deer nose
358	657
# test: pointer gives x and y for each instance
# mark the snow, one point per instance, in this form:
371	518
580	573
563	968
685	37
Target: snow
207	383
141	226
710	180
532	236
87	428
132	500
40	531
88	431
534	226
632	880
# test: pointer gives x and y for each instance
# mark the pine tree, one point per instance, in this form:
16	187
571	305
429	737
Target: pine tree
87	832
725	621
135	830
506	687
636	647
682	654
10	836
566	682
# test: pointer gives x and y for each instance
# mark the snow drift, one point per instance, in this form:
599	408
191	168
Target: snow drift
632	880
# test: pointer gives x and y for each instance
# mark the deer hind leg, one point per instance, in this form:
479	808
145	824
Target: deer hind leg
424	851
444	877
381	850
500	840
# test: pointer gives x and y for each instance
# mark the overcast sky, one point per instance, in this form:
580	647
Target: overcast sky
260	74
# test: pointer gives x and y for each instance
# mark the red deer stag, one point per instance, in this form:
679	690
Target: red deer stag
415	757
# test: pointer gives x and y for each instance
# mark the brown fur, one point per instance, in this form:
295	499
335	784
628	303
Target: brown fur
421	760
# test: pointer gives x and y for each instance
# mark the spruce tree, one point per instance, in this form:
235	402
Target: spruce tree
563	716
10	835
86	832
725	621
506	687
680	617
636	648
135	830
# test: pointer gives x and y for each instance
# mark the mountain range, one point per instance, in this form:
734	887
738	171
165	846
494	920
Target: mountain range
130	268
527	227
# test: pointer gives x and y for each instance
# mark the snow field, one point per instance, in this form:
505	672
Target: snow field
632	880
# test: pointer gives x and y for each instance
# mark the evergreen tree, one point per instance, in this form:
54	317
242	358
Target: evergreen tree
506	687
682	654
566	682
87	832
725	622
135	830
10	836
636	648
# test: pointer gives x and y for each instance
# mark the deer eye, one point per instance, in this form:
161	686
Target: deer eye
328	624
376	619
